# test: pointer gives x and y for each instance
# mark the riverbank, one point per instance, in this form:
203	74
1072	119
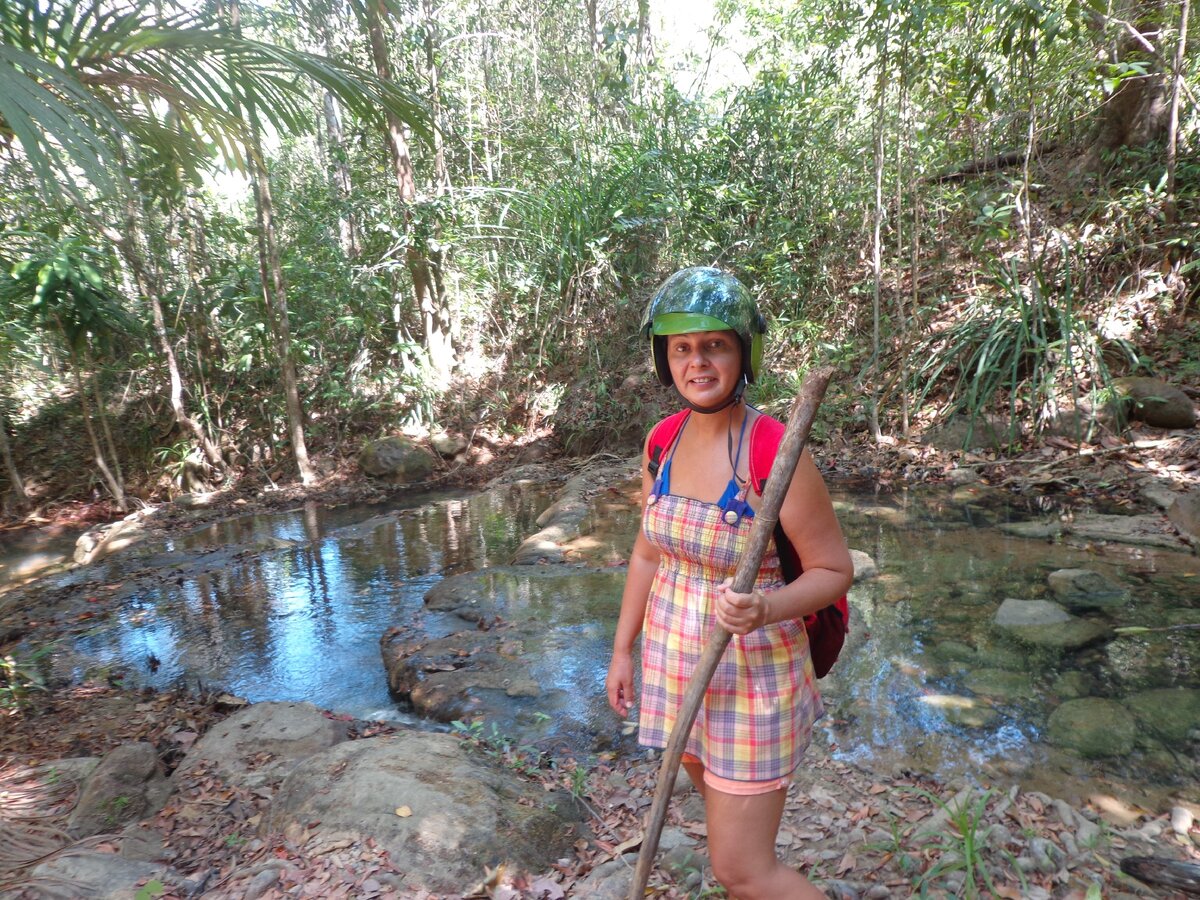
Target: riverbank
861	834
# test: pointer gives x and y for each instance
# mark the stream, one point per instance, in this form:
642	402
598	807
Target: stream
291	606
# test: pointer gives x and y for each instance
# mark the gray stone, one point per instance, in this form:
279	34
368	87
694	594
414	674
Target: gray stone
1141	530
125	787
1170	714
1043	623
1047	857
263	742
961	433
141	840
1182	820
1155	402
1014	613
954	651
1157	493
105	540
1085	589
864	565
448	445
607	881
397	459
1184	514
1093	727
107	876
442	812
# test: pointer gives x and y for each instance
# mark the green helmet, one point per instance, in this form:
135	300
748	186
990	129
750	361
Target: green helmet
704	299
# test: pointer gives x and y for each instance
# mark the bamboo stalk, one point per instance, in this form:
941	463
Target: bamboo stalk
804	411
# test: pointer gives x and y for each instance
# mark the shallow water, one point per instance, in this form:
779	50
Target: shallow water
302	621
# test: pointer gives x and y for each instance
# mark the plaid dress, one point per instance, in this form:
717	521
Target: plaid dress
757	716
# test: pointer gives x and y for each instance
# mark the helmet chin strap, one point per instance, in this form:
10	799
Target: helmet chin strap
733	398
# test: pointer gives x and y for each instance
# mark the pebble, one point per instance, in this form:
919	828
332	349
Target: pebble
1088	833
1065	814
261	883
1152	829
1182	820
878	892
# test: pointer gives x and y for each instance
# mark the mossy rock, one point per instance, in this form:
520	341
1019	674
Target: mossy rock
1155	402
1093	727
1171	714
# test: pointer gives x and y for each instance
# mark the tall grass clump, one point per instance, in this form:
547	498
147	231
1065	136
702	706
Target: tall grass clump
1023	349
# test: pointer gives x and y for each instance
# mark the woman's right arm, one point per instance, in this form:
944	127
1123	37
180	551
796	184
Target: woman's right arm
643	563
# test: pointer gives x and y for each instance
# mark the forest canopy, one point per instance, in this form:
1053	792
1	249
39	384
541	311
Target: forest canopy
243	237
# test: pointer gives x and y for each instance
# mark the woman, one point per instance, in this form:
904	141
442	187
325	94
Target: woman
757	715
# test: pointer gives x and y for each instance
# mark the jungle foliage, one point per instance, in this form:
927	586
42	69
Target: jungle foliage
309	221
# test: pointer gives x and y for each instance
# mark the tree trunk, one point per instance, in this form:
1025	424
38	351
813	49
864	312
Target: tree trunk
10	465
339	167
1137	111
130	245
271	274
439	321
115	487
430	302
877	249
1170	211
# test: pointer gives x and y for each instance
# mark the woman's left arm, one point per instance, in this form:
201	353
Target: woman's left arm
810	524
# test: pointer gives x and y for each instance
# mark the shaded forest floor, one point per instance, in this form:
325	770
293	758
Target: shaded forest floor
859	833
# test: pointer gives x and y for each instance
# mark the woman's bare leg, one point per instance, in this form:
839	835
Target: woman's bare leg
741	842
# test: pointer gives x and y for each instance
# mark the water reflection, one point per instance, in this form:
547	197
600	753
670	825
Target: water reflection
302	621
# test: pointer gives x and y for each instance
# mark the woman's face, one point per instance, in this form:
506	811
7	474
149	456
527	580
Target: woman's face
705	365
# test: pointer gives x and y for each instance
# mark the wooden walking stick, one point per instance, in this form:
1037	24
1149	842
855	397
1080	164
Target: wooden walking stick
804	411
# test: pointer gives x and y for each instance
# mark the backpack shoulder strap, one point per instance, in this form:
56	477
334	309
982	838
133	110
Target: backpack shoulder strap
662	436
766	434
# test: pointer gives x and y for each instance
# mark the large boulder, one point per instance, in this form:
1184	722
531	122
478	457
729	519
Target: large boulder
503	664
126	786
107	876
397	459
1155	402
441	811
1093	727
262	743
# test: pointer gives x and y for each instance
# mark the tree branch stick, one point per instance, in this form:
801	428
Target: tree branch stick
804	411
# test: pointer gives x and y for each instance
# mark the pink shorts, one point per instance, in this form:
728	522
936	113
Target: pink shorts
742	788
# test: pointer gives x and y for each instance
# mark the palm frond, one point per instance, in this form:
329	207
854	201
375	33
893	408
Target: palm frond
58	123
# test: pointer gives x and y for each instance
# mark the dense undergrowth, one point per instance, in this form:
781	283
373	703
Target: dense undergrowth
982	214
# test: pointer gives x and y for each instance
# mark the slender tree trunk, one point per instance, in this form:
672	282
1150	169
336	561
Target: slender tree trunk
429	301
877	247
439	321
130	244
10	465
339	167
115	487
1171	212
271	273
102	415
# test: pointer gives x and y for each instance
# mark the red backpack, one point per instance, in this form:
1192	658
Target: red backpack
827	628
